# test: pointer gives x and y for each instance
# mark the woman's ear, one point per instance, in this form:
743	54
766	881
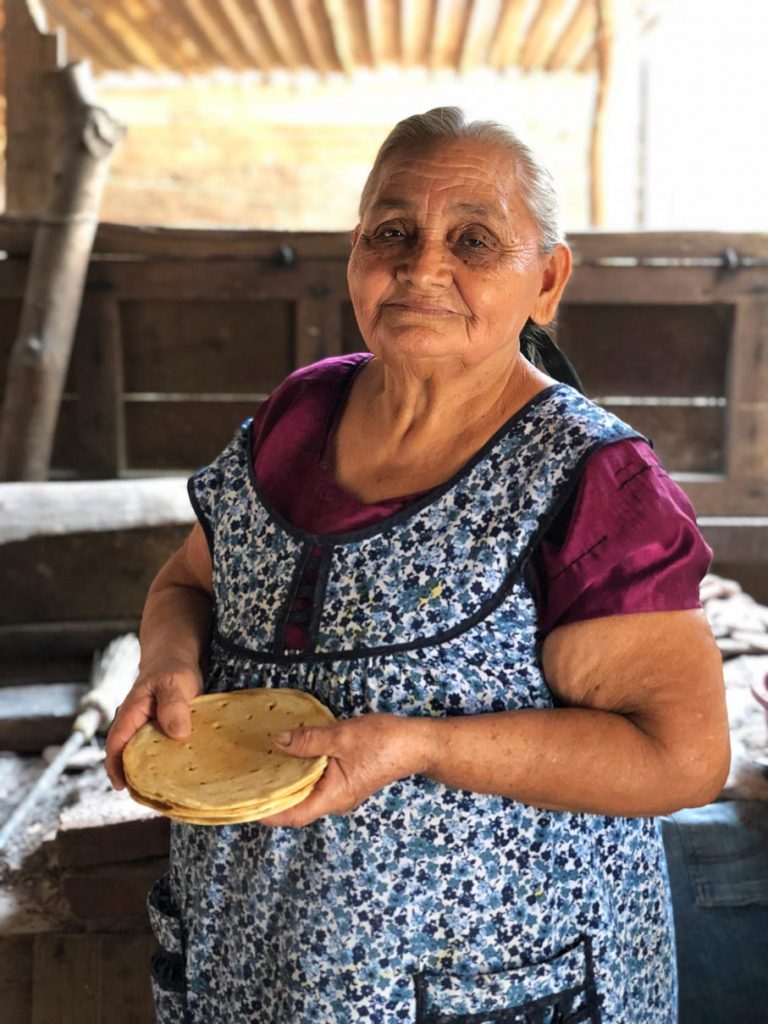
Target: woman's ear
557	270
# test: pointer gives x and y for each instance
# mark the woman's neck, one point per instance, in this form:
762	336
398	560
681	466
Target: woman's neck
407	429
416	404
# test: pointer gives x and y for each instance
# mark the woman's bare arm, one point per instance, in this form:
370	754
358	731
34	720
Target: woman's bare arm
642	730
175	628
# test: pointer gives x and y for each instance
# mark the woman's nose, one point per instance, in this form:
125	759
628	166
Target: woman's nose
427	264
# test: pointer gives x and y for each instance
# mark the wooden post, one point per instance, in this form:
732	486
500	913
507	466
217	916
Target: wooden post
31	57
63	240
604	42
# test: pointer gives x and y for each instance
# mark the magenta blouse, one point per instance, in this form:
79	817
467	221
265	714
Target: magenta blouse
625	542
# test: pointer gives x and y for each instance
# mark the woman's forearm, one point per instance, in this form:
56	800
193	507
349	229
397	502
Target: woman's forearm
175	625
574	759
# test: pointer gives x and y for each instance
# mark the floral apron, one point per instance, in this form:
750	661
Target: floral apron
426	905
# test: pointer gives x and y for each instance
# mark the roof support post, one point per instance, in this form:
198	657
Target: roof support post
74	179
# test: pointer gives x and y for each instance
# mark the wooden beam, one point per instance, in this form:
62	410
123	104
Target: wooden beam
220	46
343	41
31	115
96	29
282	33
383	31
575	37
245	32
508	38
136	42
40	356
538	40
89	34
748	393
449	26
315	29
174	46
604	43
416	25
479	32
98	364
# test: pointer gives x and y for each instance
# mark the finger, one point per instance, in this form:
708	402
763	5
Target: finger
309	741
173	714
134	712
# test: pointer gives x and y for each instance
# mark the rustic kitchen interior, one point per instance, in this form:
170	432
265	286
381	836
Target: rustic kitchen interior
142	290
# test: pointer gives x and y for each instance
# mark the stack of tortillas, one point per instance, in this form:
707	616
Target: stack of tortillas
228	770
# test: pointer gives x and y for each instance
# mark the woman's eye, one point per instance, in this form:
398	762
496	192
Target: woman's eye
474	242
390	234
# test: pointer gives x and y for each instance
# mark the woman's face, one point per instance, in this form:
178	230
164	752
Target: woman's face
445	263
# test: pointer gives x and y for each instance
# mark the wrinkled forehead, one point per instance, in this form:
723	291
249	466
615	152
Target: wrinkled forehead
463	172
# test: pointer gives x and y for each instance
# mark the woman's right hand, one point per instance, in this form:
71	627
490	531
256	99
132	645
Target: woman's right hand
162	693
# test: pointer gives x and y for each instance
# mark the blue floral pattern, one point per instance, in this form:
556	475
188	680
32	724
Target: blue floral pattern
426	905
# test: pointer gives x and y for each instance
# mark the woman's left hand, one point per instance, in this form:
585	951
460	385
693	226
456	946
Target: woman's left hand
364	755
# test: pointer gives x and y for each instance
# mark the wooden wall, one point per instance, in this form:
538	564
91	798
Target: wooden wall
183	333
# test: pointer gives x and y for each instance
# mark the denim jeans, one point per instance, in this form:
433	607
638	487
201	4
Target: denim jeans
718	870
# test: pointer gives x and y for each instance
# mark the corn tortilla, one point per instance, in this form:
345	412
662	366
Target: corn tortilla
228	764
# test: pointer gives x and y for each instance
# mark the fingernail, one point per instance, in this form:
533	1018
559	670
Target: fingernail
284	738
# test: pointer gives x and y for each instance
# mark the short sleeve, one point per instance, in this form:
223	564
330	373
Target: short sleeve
626	542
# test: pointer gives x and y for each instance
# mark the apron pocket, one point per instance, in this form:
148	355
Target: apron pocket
164	916
169	983
560	990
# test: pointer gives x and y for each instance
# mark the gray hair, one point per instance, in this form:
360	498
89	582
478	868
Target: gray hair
445	124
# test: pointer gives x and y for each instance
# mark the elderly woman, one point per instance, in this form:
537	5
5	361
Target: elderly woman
493	584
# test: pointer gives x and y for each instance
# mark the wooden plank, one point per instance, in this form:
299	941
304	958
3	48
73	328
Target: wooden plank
539	37
58	508
111	896
509	35
663	284
693	245
139	44
180	436
317	330
416	22
479	33
41	652
126	994
351	339
737	539
206	346
447	34
67	979
32	128
44	579
659	350
243	30
90	34
16	233
312	23
109	828
34	717
98	368
16	973
221	48
282	33
718	496
575	37
748	393
384	31
218	280
687	439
